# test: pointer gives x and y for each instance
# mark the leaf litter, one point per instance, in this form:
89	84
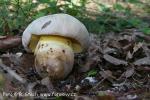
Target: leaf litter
121	62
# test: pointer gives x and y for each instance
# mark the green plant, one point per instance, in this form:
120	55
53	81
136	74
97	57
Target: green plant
92	73
117	18
15	15
58	98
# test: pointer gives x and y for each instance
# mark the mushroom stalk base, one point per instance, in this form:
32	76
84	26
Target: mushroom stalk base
54	57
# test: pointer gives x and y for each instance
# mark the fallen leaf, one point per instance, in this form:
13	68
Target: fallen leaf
83	97
104	95
8	42
124	41
1	37
128	47
129	72
142	61
146	50
107	74
109	50
114	44
141	35
137	47
114	60
132	97
93	56
129	55
145	69
22	63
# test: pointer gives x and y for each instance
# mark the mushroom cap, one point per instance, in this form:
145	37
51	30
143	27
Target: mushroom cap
57	24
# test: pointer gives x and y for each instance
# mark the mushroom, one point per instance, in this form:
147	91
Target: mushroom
54	39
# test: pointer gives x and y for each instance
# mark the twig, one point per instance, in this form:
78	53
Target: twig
12	73
97	85
47	82
1	97
30	86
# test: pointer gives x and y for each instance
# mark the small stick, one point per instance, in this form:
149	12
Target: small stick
30	86
12	73
96	86
47	82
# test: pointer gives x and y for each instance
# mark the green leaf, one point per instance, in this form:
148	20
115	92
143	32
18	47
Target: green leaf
58	98
104	8
2	81
92	73
44	1
40	14
72	12
135	22
133	1
118	7
146	30
2	33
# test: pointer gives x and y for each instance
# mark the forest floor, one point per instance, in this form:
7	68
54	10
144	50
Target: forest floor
115	67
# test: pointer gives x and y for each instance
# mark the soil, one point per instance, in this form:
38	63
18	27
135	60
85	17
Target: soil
115	67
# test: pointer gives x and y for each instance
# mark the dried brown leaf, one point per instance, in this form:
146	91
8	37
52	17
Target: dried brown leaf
137	47
128	47
129	72
22	64
145	69
142	61
90	63
104	95
1	37
141	35
123	42
107	74
146	50
114	44
129	55
83	97
114	60
109	50
7	42
93	57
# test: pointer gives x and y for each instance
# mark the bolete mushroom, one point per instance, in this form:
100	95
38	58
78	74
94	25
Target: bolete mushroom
54	39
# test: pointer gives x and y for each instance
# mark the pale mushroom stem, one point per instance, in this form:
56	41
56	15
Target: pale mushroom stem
53	58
